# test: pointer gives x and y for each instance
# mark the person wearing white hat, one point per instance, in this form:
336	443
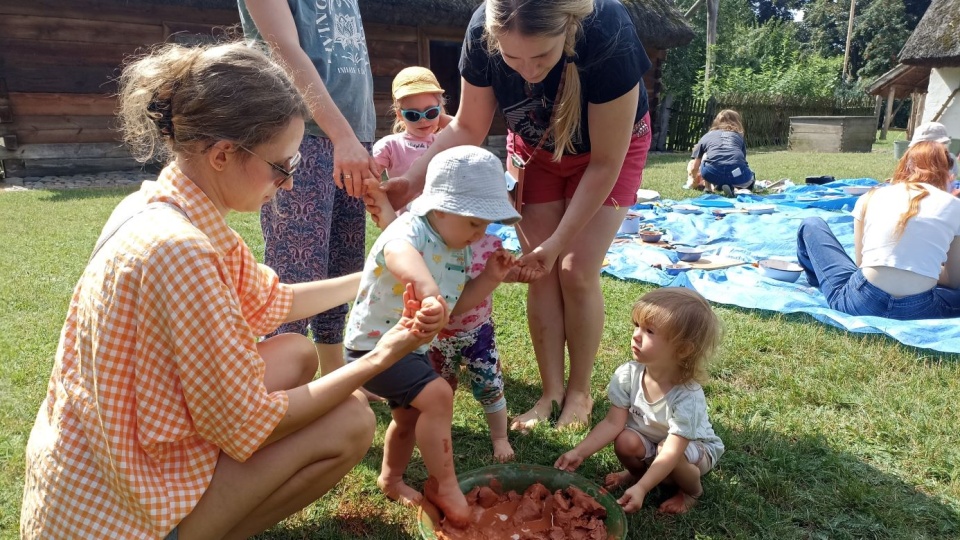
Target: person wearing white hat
937	132
931	131
430	248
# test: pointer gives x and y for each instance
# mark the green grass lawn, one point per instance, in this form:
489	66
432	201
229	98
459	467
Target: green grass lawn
829	434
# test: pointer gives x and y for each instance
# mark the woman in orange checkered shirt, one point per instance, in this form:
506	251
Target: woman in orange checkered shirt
165	416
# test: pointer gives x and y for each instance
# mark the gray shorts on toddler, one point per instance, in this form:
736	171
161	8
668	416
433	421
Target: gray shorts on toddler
402	382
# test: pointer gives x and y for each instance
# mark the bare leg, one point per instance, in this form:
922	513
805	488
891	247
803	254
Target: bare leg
282	478
497	421
398	446
290	359
630	451
544	301
331	358
686	476
583	308
435	403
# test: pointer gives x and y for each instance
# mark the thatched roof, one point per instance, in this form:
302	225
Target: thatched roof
659	25
936	40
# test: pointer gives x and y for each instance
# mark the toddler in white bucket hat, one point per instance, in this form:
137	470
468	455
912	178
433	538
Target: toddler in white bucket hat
431	249
466	181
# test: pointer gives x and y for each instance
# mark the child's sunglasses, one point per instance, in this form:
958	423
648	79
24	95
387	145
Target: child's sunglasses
413	115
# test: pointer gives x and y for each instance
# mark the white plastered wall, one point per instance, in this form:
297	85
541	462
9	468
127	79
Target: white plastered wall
943	81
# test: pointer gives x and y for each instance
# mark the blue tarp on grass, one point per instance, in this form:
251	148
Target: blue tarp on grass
750	238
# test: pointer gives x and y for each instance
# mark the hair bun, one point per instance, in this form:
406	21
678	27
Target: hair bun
161	111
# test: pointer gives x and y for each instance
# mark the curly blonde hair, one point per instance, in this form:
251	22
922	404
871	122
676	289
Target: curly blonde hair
691	327
176	99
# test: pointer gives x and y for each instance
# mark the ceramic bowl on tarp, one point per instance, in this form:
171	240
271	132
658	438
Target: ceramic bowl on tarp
688	254
651	237
686	209
674	269
759	209
856	190
630	225
518	477
780	270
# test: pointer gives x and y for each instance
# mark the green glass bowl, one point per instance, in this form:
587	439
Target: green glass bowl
518	477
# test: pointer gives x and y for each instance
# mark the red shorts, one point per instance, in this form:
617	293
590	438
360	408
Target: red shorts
545	180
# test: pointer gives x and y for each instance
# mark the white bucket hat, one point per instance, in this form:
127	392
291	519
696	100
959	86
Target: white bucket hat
466	181
931	131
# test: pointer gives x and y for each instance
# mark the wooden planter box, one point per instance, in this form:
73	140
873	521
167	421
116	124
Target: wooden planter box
832	133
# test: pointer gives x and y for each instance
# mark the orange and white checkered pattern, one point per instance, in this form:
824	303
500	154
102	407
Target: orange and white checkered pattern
156	373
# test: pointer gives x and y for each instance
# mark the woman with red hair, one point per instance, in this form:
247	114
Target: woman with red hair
906	242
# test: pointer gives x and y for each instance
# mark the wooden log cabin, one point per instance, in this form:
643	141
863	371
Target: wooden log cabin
59	60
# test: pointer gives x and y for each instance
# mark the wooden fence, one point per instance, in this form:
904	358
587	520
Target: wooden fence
766	119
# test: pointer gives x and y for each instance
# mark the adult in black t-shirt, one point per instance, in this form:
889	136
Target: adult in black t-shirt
721	155
514	59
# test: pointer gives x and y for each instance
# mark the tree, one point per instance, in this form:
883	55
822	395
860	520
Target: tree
882	30
684	67
881	27
781	10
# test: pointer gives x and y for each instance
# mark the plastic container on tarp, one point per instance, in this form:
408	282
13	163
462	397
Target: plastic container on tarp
518	477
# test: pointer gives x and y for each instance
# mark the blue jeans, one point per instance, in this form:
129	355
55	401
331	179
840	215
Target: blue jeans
723	175
828	267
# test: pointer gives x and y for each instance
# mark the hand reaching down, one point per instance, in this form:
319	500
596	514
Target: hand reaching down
500	265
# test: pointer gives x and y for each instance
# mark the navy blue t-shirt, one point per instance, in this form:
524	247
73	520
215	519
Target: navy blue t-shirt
721	147
609	56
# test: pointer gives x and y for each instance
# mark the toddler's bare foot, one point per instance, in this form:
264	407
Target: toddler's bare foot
678	504
450	501
617	480
577	409
540	412
396	489
502	451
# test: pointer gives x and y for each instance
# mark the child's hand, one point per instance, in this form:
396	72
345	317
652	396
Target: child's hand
500	264
375	197
433	316
569	461
632	498
407	335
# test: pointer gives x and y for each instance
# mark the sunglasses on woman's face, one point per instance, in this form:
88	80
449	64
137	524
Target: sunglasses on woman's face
413	115
286	172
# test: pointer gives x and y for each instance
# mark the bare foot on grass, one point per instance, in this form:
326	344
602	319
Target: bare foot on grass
449	500
678	504
617	480
577	409
396	489
540	412
502	451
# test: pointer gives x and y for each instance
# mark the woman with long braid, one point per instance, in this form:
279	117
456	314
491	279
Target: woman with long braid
567	77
